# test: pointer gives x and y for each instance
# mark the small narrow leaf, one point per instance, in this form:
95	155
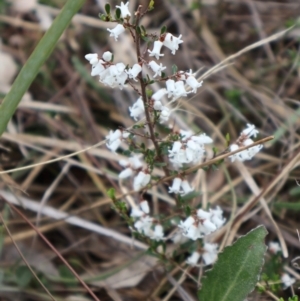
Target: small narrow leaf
163	30
237	270
151	5
111	193
107	8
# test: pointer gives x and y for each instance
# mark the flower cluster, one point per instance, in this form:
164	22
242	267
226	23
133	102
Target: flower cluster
202	223
146	224
209	253
245	140
112	75
134	166
188	150
174	151
114	139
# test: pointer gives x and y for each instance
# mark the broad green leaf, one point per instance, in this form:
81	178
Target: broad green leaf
237	270
23	276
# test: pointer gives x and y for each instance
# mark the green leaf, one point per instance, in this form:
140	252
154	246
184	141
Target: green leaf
289	206
294	191
118	14
237	270
163	30
111	193
174	69
107	8
151	5
24	276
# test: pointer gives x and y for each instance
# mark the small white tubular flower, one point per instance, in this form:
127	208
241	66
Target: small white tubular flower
164	114
210	254
180	89
186	188
217	217
202	139
175	149
158	233
114	140
250	131
157	105
193	83
157	69
134	71
137	109
115	32
232	148
107	56
203	214
144	224
124	10
190	228
207	227
156	50
158	95
136	212
172	42
126	173
171	89
141	180
193	259
175	188
287	280
185	134
274	247
131	164
97	68
145	207
92	58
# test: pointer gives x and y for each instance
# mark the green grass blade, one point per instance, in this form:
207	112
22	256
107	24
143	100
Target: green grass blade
35	61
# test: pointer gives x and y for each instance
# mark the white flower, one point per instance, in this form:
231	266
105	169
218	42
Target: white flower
202	139
97	68
185	134
158	95
180	89
164	114
274	247
175	188
145	207
250	131
124	10
158	233
157	69
172	42
170	83
193	83
176	148
114	140
186	188
126	173
193	259
217	217
92	58
210	254
141	180
287	280
107	56
156	50
131	164
137	109
115	32
134	71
